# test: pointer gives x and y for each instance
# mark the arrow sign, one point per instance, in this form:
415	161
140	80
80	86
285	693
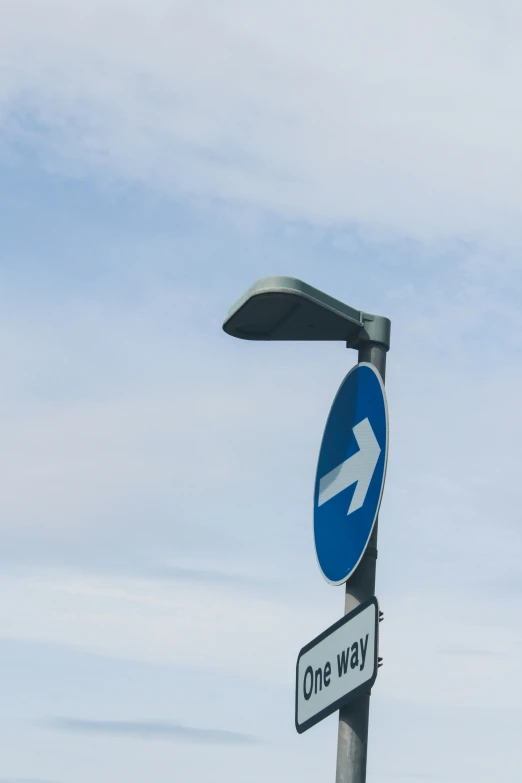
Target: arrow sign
359	468
350	473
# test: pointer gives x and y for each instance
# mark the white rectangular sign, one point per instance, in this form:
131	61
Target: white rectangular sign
337	665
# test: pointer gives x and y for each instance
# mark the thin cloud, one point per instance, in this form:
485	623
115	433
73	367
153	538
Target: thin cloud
148	730
208	576
430	149
468	651
26	780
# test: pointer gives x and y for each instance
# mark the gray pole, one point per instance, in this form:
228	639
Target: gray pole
352	744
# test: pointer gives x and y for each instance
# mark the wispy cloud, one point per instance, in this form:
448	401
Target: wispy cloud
26	780
468	652
148	730
207	576
430	147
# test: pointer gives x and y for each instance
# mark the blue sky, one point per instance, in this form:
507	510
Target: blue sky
158	576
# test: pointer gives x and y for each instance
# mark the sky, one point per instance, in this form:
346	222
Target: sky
157	568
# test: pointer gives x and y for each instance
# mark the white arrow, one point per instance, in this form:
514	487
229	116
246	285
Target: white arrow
358	468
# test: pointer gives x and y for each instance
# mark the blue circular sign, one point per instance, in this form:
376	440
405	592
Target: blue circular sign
350	473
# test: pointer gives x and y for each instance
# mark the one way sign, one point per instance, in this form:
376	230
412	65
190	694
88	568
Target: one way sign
350	473
337	666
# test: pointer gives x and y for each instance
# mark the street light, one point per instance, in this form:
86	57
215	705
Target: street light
284	308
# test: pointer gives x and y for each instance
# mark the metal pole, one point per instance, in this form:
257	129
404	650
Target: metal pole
352	744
